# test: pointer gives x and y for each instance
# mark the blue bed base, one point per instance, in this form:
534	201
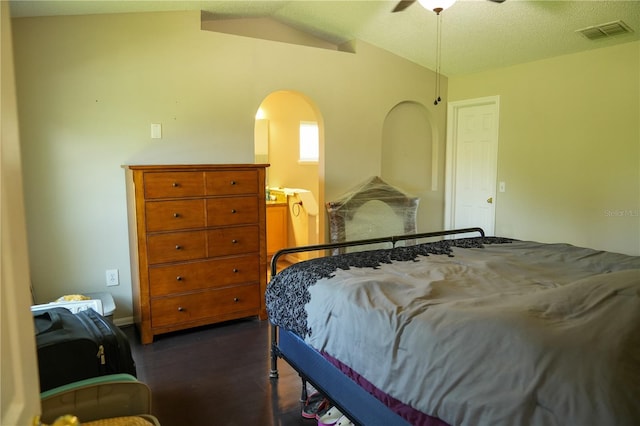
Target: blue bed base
356	403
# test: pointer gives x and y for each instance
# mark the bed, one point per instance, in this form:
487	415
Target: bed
445	328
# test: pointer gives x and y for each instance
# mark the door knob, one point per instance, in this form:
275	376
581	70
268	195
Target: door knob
490	200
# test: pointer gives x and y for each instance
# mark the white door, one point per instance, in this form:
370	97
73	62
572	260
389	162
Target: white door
472	154
20	395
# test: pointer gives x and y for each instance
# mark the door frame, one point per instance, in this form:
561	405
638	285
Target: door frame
20	396
453	110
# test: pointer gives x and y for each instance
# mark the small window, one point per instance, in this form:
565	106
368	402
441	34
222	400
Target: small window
309	142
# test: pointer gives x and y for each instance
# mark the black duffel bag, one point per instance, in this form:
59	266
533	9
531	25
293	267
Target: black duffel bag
79	346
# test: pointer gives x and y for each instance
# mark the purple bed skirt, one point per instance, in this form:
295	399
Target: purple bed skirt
410	414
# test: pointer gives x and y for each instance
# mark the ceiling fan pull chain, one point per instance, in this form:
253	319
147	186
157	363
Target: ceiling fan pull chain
438	56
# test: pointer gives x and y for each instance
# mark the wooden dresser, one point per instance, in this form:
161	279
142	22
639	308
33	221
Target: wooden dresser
198	244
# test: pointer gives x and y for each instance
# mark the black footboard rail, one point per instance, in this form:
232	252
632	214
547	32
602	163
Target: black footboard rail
332	246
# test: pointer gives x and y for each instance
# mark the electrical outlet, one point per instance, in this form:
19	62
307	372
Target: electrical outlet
112	277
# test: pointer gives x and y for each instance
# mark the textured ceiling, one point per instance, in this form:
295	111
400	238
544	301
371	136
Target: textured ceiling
476	34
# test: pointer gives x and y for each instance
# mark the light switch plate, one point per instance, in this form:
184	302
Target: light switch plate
156	131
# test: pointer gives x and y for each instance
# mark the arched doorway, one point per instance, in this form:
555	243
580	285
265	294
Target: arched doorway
295	185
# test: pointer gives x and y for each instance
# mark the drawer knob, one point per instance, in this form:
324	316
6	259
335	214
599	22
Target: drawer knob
178	247
234	241
235	299
176	215
179	278
235	270
233	182
233	210
175	184
181	309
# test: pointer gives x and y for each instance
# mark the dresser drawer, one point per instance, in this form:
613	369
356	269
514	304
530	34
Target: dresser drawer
170	311
172	215
235	240
173	184
164	280
176	246
235	182
232	211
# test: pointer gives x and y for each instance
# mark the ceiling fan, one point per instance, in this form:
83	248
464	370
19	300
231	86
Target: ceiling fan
403	4
437	6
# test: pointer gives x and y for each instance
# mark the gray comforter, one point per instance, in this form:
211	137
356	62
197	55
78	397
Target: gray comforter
506	334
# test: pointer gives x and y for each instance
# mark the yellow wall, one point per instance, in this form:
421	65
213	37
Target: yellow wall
411	160
569	147
285	110
90	86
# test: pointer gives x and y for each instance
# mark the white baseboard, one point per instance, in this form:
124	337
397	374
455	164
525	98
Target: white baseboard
123	321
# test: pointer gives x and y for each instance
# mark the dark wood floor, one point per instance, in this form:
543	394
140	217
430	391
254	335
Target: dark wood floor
218	375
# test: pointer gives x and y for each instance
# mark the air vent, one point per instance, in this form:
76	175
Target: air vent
601	31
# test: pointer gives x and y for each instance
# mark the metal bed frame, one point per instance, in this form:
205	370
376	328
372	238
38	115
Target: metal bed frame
352	400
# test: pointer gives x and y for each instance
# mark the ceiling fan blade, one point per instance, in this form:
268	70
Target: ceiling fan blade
403	4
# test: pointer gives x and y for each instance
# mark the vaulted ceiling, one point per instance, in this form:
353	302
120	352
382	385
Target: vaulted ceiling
476	34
